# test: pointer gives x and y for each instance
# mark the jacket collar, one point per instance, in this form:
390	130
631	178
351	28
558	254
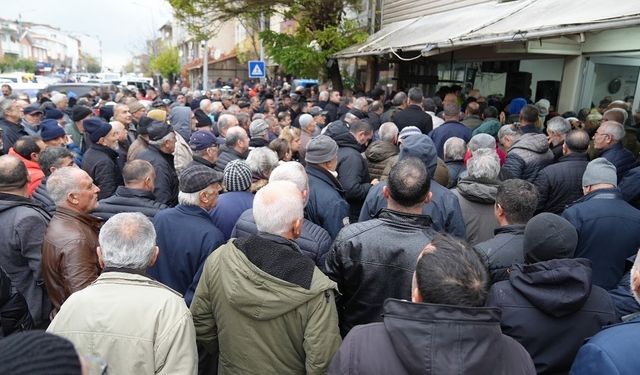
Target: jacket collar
123	191
203	161
516	229
600	194
614	147
85	219
574	156
107	150
324	175
28	163
193	210
404	219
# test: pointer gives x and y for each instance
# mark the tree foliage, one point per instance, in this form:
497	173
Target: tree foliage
321	30
91	63
8	64
167	62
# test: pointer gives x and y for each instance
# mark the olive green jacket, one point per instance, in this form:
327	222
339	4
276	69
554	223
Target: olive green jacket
258	324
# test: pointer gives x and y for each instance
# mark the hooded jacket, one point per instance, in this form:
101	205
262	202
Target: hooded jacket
33	168
444	208
550	307
422	338
378	156
180	120
375	260
477	198
41	196
353	171
264	308
608	230
24	224
526	157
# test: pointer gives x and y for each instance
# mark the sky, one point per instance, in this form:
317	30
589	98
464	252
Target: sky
121	25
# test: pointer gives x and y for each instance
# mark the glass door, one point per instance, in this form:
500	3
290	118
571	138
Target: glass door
614	78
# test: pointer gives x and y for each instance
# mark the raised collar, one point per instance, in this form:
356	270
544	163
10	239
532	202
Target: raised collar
404	219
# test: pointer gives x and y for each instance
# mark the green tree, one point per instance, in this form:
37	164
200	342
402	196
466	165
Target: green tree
91	64
306	52
166	62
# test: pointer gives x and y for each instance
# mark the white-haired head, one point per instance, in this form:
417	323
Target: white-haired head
278	209
128	240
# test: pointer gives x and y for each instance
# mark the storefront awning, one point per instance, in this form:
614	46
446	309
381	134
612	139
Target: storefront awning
491	23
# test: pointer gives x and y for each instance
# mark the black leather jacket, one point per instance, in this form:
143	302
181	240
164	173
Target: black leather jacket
375	260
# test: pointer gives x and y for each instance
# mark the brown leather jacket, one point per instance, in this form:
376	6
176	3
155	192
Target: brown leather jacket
69	259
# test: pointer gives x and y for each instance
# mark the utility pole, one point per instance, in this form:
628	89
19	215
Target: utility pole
205	66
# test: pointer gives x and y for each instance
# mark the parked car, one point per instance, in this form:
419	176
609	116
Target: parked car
80	89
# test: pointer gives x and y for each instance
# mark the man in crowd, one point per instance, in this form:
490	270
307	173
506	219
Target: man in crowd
69	260
314	241
32	118
444	329
414	114
225	122
327	206
136	324
332	106
398	103
205	146
529	152
51	159
450	128
263	284
259	130
186	232
608	140
10	116
100	161
353	172
374	260
236	146
162	143
472	116
560	184
516	201
28	149
75	129
24	224
308	129
607	225
379	153
135	196
557	130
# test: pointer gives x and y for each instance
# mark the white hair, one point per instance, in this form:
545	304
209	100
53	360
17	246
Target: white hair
204	103
481	141
388	131
454	149
291	171
127	240
62	182
559	125
614	129
217	107
360	103
635	270
508	131
484	164
277	206
192	199
262	160
58	98
323	96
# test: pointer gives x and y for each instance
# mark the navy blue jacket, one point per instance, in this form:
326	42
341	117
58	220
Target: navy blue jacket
560	184
620	157
444	208
228	209
608	230
613	351
326	206
621	295
550	308
186	236
314	241
630	187
448	130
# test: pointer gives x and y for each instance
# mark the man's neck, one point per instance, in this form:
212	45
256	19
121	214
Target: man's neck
65	205
415	210
18	192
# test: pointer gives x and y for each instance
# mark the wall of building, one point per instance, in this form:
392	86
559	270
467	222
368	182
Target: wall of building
542	70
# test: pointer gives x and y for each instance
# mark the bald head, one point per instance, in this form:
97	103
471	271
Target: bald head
473	108
278	208
13	175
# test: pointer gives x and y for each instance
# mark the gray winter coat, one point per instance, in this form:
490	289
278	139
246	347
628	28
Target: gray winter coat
526	157
476	198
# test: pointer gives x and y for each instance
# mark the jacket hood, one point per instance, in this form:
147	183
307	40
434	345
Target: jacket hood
462	332
9	201
380	151
479	191
558	287
180	119
537	143
339	133
422	147
259	295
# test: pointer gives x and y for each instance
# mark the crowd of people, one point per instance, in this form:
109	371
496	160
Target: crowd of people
291	230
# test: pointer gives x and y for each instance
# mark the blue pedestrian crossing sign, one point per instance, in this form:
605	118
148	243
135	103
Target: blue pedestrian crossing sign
256	69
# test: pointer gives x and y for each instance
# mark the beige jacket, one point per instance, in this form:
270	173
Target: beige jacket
136	324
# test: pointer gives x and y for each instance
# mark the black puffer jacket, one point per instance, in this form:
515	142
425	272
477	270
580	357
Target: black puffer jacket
413	115
560	184
353	171
14	313
503	250
378	156
41	196
551	308
129	200
314	241
622	158
526	157
10	134
166	183
423	338
375	260
101	163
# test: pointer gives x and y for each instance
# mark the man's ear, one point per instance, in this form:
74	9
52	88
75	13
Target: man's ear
154	257
427	198
100	261
297	228
498	210
385	192
416	297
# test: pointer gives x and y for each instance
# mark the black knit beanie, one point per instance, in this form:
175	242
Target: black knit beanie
38	353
